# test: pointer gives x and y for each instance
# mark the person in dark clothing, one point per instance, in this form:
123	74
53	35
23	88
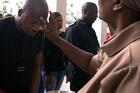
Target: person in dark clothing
1	15
54	59
7	15
82	35
21	49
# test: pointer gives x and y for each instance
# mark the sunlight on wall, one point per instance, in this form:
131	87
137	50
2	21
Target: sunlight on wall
52	4
11	7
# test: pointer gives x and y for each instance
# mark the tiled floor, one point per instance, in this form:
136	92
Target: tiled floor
65	86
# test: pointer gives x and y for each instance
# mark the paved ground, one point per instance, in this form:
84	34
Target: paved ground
65	86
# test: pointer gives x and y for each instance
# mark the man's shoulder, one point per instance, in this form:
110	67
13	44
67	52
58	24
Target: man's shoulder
6	20
7	24
74	25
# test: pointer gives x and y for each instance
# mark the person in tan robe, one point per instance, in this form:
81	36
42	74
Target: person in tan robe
116	67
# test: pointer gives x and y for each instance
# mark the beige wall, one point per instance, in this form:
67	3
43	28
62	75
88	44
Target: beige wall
61	7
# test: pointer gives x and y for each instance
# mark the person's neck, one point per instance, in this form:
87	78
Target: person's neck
123	21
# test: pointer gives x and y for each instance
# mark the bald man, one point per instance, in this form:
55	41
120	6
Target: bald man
116	67
21	49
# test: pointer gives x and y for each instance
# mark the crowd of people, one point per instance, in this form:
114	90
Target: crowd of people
30	43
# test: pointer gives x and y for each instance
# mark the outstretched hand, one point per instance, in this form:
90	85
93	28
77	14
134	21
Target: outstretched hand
49	26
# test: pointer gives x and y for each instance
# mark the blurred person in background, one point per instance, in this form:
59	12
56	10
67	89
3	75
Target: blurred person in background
54	59
8	15
82	35
1	15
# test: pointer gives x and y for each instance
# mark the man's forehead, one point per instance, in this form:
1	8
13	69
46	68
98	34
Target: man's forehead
36	8
35	15
39	18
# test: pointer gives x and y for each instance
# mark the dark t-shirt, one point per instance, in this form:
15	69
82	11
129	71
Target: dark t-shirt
17	56
54	58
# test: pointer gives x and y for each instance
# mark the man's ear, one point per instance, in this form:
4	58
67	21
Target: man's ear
118	5
20	11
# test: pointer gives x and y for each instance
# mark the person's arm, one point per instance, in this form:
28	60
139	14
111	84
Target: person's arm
36	74
79	57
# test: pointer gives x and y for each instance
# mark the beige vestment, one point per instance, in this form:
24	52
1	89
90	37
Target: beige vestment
119	71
